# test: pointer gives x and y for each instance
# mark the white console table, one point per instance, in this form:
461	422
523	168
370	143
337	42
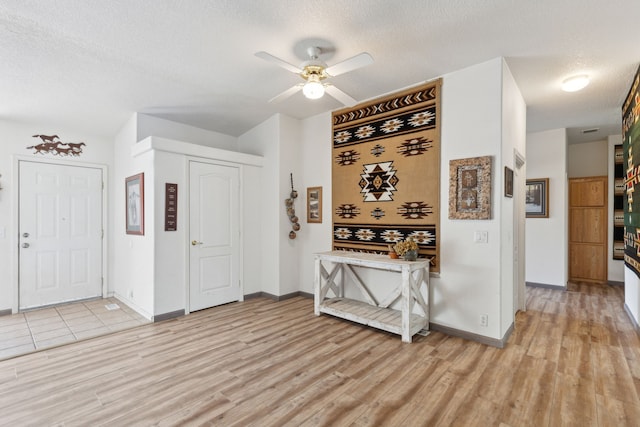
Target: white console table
404	322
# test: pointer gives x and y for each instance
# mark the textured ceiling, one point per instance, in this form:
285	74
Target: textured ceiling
91	63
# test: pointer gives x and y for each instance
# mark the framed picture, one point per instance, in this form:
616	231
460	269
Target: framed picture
537	198
508	182
314	204
170	207
470	188
134	192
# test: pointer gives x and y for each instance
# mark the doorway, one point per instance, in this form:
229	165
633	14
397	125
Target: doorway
60	223
214	230
588	229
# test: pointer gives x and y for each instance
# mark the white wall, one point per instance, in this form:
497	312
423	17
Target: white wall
615	267
632	293
588	159
16	137
133	255
514	125
546	238
154	126
290	163
470	279
171	247
252	233
263	140
316	158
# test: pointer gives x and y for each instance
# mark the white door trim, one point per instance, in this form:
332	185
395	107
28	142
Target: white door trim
15	202
187	234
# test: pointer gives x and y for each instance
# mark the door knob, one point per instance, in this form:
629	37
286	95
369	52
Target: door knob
195	242
25	245
25	234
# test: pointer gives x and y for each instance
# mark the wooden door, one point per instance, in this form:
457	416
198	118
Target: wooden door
214	229
60	219
588	229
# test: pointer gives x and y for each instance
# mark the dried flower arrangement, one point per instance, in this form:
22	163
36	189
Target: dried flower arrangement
402	248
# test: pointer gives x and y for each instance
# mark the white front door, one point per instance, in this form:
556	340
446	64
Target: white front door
214	227
60	224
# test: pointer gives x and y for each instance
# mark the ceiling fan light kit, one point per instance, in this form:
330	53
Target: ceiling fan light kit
313	89
314	71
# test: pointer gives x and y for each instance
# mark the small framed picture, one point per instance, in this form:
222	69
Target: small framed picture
134	192
537	198
314	204
508	182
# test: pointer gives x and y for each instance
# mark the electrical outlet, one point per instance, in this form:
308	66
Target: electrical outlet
484	320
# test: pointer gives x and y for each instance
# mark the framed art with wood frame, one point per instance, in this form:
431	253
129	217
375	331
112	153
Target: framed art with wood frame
314	204
537	198
470	188
508	182
134	192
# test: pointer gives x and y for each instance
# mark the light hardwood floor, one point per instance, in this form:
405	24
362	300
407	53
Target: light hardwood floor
574	359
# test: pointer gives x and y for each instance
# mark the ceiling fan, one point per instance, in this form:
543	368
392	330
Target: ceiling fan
315	71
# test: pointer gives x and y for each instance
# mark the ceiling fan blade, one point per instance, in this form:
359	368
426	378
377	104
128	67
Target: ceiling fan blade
340	95
284	64
287	93
350	64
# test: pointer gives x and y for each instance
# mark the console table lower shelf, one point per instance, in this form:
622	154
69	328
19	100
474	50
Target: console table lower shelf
411	295
386	319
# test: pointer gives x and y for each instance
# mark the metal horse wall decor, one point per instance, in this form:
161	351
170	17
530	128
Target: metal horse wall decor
52	144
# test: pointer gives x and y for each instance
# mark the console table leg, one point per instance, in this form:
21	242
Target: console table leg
406	305
316	287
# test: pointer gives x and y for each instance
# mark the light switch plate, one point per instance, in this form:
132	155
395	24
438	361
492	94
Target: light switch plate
481	237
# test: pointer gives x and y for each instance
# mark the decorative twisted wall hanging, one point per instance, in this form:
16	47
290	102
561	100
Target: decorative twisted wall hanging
291	210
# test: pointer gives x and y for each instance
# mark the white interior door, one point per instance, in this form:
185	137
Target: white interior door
214	235
60	221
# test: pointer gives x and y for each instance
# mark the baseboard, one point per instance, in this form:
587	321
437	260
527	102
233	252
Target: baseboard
615	283
6	312
167	316
133	306
633	320
278	298
546	286
494	342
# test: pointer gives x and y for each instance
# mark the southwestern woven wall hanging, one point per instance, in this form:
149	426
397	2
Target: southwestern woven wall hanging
386	173
618	204
631	162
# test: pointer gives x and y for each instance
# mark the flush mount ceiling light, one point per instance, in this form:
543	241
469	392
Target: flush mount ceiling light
575	83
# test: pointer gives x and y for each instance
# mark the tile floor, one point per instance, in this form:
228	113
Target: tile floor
52	326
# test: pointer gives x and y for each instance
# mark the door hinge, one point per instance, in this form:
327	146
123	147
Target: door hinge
103	185
102	234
